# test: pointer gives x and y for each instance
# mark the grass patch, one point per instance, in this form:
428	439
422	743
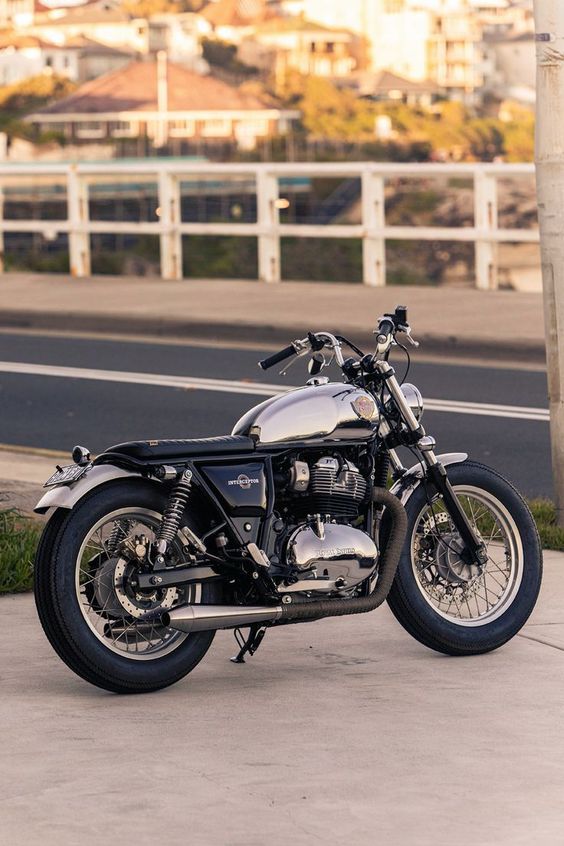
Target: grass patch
544	512
18	541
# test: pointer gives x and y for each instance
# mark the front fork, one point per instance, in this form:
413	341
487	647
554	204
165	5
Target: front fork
474	549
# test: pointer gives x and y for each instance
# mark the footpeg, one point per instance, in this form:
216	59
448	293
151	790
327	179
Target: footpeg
250	644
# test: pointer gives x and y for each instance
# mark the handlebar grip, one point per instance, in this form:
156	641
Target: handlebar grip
277	357
386	326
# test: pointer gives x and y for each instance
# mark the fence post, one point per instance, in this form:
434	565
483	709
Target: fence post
373	220
79	238
170	237
268	220
485	221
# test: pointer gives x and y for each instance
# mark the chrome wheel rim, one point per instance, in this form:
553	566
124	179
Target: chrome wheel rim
467	595
121	620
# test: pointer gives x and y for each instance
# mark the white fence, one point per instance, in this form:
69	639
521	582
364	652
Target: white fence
372	230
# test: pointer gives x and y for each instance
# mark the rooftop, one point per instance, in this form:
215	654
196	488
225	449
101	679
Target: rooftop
134	88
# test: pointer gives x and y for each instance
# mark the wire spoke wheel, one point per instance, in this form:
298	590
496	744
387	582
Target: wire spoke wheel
124	619
465	593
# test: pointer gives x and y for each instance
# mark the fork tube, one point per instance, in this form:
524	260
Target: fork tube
436	472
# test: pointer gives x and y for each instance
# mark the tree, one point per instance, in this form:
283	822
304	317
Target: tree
549	159
27	96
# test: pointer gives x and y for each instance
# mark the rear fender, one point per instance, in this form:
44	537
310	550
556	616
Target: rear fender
410	481
66	496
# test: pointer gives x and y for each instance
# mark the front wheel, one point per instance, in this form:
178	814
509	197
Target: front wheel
455	607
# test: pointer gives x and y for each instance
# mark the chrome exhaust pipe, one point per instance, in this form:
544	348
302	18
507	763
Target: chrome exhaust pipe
205	618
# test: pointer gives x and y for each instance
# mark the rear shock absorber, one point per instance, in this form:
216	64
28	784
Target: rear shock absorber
172	516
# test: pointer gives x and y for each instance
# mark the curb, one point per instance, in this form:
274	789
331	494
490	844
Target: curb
269	336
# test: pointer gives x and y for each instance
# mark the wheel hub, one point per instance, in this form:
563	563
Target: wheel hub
115	594
450	563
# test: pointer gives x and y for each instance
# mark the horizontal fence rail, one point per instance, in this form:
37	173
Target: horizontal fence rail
168	175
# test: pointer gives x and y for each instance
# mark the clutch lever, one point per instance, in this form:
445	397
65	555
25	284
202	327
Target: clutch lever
294	360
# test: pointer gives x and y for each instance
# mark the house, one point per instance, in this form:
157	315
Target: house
161	100
385	85
24	56
106	22
282	44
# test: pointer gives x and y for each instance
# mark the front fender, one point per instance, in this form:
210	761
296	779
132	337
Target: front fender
411	480
66	496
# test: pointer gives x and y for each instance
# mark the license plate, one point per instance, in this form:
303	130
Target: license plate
66	475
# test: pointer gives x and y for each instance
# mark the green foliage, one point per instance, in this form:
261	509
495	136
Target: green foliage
322	259
18	540
448	130
212	257
551	535
221	54
38	262
28	96
332	113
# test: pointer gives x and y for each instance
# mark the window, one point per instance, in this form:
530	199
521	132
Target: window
91	129
182	128
124	129
216	128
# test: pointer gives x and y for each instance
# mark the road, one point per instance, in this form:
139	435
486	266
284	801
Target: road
56	391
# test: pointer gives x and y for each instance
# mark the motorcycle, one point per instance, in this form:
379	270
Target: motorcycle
153	546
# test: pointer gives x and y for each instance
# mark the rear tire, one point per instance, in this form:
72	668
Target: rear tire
415	597
59	607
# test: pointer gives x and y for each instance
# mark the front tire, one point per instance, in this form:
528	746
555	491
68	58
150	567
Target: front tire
453	607
83	616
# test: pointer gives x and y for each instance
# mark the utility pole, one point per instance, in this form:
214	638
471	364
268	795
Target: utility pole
549	160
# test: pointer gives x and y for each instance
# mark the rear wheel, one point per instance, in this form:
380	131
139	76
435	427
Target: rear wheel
105	629
459	608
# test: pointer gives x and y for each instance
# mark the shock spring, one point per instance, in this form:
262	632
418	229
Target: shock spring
174	510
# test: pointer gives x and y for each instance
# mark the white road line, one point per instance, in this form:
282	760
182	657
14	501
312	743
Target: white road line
259	389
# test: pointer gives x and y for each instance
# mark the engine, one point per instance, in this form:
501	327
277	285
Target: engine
323	553
333	486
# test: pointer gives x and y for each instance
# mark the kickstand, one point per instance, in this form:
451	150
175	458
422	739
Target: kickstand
250	644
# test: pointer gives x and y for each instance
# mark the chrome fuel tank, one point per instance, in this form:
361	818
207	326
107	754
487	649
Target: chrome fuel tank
332	411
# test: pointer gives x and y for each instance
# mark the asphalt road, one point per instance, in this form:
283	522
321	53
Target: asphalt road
40	409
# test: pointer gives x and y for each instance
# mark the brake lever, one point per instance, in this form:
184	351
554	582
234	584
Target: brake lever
406	330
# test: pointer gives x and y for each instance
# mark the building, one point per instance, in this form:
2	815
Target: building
456	53
106	22
513	61
420	40
385	86
16	12
25	56
283	44
158	101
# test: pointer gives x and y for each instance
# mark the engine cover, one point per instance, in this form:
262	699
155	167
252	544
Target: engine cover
332	552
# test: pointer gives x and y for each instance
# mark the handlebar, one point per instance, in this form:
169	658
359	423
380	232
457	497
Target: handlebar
388	325
278	357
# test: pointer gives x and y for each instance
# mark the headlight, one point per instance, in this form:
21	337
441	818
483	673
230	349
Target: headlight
414	399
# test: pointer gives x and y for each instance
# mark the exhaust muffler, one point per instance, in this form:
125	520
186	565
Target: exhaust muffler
205	618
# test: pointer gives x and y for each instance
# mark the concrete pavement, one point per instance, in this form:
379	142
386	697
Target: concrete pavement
345	730
448	320
22	473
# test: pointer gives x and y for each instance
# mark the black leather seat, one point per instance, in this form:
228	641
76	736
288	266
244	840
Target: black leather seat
177	449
